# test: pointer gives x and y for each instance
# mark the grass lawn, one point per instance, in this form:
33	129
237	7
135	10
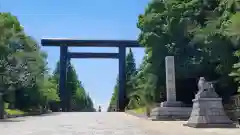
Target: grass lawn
14	112
140	110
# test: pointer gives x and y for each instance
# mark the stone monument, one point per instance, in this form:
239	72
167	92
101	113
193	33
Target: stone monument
170	84
207	108
170	109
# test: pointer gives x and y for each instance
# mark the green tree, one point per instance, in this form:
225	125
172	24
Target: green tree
72	84
199	34
75	93
113	102
130	73
22	63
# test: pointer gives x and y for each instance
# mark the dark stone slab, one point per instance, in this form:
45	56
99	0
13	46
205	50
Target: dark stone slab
206	125
171	104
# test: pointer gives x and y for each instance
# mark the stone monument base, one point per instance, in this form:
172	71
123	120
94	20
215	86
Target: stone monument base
209	113
170	113
171	104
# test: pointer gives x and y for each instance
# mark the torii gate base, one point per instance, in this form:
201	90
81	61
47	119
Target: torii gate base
65	56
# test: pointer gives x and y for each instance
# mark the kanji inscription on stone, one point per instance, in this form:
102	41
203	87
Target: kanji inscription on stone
170	78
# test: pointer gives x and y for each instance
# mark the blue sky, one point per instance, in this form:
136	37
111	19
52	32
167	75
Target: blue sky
82	19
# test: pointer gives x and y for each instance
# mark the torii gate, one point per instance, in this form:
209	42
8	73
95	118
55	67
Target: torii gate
65	56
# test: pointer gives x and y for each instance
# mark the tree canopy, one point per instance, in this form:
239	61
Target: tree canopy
25	82
204	38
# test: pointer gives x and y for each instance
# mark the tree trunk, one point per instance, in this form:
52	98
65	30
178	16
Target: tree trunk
1	107
11	106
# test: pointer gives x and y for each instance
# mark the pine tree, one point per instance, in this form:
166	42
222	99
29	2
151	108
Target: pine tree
130	73
77	99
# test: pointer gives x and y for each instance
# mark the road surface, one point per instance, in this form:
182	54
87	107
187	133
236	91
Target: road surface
100	123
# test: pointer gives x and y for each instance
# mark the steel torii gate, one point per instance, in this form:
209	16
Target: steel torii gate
65	56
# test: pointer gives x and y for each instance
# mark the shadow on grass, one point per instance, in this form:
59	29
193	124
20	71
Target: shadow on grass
144	116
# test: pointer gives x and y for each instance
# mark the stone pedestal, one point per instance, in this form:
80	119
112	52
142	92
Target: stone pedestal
170	113
208	112
170	109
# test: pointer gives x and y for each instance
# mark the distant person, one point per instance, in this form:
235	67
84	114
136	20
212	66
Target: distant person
99	109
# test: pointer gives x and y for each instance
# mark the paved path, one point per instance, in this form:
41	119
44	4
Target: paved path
100	124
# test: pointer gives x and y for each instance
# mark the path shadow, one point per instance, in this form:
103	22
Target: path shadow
11	120
45	115
234	126
160	119
205	126
171	119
